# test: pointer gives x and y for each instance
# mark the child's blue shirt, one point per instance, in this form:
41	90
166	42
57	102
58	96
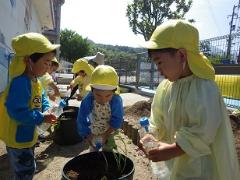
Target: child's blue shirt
86	108
19	107
18	102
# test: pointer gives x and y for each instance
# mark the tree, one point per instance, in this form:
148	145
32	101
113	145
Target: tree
205	47
145	15
73	46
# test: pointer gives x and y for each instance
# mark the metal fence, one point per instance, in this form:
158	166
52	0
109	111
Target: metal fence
222	49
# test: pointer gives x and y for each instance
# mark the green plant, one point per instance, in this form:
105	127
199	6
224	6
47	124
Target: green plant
117	154
119	158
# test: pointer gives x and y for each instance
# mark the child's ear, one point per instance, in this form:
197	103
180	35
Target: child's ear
183	54
27	59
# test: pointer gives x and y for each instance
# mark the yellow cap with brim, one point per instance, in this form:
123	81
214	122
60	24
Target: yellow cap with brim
26	45
182	34
105	77
55	60
82	65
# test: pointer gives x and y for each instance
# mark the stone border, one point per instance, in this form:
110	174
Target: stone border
130	128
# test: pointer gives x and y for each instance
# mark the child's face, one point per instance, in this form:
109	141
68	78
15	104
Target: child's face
40	67
52	68
102	96
81	73
171	66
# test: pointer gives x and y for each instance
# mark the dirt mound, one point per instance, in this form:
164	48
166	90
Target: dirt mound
139	109
235	121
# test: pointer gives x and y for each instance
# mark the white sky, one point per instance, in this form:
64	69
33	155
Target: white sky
105	21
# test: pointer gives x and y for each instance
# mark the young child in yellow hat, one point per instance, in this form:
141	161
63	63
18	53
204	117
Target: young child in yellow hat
188	116
47	81
83	72
101	111
23	102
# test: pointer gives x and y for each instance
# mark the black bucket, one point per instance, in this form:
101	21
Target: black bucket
65	133
99	165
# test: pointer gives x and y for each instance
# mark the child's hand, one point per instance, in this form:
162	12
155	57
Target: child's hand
89	140
57	93
147	138
70	87
50	118
165	152
52	97
144	140
105	137
79	97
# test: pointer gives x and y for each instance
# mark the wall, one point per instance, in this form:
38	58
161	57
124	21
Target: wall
16	17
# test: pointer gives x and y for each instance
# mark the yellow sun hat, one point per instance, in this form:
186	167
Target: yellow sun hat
182	34
26	45
56	61
104	77
82	65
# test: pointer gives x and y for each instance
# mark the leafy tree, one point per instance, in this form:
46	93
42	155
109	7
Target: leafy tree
145	15
215	59
205	47
73	46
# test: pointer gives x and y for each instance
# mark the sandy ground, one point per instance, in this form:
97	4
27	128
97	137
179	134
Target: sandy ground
51	157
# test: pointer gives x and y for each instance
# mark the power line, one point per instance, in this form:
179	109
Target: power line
211	11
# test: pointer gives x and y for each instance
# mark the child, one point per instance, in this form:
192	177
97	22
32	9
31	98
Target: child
101	111
83	72
48	82
188	116
23	101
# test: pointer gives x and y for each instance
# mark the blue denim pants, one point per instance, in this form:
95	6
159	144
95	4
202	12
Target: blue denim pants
22	162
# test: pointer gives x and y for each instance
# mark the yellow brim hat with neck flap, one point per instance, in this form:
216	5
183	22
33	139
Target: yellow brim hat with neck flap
82	65
182	34
26	45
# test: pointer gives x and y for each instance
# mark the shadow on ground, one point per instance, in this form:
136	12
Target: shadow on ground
52	151
44	154
5	172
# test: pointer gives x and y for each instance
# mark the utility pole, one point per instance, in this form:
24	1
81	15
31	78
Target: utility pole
232	28
230	35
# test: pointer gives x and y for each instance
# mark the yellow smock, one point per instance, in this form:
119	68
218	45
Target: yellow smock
45	80
191	112
83	84
9	126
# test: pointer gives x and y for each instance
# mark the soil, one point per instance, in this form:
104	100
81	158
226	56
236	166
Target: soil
51	157
143	108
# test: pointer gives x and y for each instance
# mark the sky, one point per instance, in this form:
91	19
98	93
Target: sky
105	21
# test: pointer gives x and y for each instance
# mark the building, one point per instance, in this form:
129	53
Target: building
21	16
